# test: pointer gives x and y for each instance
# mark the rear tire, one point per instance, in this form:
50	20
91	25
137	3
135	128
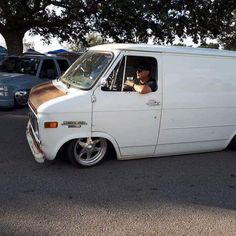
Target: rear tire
87	152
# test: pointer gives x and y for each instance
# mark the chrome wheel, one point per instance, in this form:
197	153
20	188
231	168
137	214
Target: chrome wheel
87	151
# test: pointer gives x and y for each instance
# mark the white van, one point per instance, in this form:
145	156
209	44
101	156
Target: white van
87	110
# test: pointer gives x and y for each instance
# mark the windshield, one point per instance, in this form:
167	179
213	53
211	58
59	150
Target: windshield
20	65
87	69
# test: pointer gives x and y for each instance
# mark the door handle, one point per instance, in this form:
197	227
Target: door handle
153	102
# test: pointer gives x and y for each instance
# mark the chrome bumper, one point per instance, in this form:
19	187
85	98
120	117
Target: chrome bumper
34	145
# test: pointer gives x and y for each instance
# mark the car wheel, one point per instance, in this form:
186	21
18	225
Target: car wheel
87	151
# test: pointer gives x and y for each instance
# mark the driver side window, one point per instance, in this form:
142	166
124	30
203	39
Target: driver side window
126	70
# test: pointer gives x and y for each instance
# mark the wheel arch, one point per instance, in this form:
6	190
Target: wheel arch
232	142
109	138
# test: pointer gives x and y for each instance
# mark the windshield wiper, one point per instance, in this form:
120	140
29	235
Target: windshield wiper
68	84
66	81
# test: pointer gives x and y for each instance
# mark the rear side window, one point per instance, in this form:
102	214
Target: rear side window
63	65
48	70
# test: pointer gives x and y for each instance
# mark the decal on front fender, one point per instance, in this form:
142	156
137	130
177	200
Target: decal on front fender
74	124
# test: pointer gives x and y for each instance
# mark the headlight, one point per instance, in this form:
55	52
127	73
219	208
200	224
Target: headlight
3	90
21	97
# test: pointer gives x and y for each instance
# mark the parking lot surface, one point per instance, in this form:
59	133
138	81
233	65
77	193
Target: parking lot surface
178	195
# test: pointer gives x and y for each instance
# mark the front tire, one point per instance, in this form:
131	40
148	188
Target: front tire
87	152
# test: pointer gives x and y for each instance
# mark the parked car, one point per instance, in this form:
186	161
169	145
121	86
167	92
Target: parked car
18	74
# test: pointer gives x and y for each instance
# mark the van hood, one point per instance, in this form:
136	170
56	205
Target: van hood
43	93
9	78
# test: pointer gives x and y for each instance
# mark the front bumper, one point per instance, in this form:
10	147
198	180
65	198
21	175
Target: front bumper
34	145
6	102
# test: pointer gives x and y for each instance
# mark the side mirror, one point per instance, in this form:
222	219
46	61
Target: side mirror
104	84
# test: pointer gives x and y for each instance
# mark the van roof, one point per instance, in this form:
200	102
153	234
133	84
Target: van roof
164	49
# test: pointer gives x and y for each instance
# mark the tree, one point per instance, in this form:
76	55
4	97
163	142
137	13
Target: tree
228	38
90	40
210	45
120	20
163	20
134	21
44	17
208	19
28	45
95	39
17	17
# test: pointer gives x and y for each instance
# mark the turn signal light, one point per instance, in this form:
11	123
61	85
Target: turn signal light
51	124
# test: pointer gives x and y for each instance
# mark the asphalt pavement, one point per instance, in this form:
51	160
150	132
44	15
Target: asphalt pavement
178	195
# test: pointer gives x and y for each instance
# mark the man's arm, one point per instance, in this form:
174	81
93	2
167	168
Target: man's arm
140	88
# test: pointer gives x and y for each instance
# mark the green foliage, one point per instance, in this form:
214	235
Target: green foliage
229	43
63	18
121	20
180	44
163	20
228	37
210	45
94	39
91	40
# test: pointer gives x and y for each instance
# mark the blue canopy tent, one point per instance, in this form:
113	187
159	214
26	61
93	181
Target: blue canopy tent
3	50
57	51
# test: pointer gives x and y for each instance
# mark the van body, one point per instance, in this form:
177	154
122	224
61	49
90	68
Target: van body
87	109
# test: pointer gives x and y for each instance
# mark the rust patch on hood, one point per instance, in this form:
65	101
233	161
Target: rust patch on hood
43	93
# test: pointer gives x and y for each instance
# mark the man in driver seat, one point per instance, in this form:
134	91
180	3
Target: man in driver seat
145	83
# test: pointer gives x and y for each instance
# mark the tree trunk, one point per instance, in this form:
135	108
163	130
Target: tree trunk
14	41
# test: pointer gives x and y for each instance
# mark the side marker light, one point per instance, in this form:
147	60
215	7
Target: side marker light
51	124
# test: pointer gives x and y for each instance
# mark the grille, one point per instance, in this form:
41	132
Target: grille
34	122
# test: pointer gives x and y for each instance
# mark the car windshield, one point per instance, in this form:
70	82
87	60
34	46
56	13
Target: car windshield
20	65
87	69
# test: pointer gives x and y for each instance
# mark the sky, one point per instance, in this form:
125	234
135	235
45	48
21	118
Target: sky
42	47
38	44
54	45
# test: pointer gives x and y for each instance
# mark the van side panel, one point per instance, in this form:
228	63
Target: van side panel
199	103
